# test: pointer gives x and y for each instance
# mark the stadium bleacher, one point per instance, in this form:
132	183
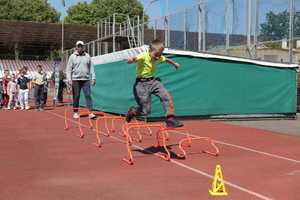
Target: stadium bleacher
14	65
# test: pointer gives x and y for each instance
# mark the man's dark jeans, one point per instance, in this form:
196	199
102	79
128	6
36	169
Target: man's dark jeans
85	85
39	96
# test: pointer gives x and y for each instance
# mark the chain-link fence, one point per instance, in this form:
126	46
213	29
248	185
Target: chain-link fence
257	29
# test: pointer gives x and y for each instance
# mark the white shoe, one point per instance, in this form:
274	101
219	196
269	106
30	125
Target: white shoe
92	116
22	108
76	115
15	108
8	108
27	107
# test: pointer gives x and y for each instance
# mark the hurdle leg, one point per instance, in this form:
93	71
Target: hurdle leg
165	156
80	129
66	118
98	144
129	160
91	123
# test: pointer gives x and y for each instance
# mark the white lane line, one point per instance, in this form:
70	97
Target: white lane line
249	149
260	196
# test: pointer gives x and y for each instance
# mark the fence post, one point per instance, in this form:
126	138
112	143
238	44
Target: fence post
249	25
114	32
199	28
139	36
204	24
166	30
155	27
256	28
184	30
291	29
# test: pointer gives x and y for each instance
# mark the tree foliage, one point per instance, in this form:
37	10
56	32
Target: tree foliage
28	10
91	13
276	26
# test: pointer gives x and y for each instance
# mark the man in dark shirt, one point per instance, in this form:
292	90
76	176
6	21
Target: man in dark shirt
23	86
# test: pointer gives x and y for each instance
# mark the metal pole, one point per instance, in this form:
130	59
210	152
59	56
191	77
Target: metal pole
228	5
98	37
199	28
62	38
98	30
168	24
143	27
155	27
291	29
256	28
248	24
184	31
113	30
138	31
203	24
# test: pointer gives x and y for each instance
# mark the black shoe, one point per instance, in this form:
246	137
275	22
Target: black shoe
130	114
173	123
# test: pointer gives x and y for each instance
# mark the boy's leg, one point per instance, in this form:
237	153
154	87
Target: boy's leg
42	97
25	96
142	95
167	101
36	96
10	99
21	98
76	88
45	97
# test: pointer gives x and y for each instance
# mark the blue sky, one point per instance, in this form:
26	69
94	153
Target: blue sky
216	10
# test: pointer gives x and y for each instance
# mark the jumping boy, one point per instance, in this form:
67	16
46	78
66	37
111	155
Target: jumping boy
146	84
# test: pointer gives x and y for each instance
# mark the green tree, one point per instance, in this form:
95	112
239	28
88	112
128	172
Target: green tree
276	26
90	13
28	10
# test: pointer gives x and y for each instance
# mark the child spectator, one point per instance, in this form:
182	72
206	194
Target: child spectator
1	92
5	81
12	92
23	86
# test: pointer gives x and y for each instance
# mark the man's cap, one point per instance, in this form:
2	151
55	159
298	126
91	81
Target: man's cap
79	43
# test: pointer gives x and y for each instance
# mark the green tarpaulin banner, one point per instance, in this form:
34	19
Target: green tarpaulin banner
201	87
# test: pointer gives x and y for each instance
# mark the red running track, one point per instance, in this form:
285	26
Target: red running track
39	160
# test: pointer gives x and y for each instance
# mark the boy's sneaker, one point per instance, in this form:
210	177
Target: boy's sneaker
15	108
130	114
22	108
27	107
173	123
92	116
76	115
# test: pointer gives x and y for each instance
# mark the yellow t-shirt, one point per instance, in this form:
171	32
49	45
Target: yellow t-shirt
146	67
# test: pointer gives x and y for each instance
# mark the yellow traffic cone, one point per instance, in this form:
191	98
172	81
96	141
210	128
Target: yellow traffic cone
218	185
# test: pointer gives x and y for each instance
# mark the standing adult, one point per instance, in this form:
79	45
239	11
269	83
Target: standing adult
39	79
81	75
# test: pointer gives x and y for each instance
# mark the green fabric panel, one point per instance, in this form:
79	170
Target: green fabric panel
202	87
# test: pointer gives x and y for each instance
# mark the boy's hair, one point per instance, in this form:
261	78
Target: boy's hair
156	45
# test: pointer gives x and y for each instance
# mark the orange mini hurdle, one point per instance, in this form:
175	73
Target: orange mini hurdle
162	136
82	112
112	129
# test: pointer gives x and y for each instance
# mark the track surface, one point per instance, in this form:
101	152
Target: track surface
41	161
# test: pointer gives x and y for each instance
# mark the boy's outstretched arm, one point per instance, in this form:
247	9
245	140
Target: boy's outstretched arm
132	60
175	64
